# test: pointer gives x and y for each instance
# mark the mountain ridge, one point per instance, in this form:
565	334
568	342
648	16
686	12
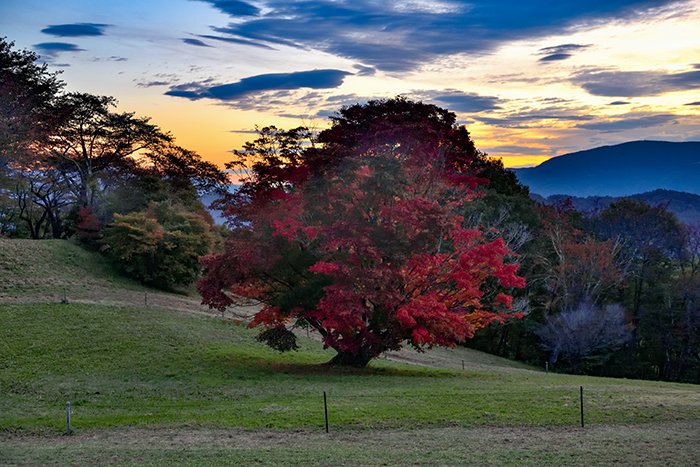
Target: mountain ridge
624	169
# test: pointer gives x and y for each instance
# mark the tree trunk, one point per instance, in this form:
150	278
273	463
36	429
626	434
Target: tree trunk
359	360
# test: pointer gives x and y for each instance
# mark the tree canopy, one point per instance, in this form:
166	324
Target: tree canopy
361	236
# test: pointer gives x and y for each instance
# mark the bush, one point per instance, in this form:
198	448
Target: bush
159	246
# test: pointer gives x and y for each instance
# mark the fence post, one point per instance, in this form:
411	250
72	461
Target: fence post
581	392
325	409
68	430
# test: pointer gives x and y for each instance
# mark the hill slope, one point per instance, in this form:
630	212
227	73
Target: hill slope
619	170
152	385
44	271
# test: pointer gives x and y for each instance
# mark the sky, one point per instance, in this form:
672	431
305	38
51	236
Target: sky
530	79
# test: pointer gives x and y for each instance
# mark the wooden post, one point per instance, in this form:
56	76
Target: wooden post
145	298
68	431
581	392
546	367
325	409
463	364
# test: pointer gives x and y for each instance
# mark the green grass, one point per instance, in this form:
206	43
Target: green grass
151	367
49	267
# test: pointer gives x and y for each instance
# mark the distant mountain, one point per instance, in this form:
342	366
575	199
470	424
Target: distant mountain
685	206
209	198
620	170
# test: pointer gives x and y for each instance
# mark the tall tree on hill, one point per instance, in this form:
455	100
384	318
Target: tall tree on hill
28	96
93	142
360	236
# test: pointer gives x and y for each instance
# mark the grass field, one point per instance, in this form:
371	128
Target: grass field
152	385
163	372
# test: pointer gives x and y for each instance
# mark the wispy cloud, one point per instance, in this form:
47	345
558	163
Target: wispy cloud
630	122
195	42
459	101
559	52
637	83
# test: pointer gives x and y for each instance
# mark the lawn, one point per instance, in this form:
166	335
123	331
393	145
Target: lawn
147	366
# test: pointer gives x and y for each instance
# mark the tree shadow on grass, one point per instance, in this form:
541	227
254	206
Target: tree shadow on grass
323	369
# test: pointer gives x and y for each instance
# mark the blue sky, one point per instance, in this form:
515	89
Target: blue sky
530	79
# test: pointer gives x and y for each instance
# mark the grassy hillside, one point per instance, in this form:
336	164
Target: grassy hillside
147	372
30	267
156	385
44	271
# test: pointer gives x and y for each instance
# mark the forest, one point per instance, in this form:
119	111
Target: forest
389	228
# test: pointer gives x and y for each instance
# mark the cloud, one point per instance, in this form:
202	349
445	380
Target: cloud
559	52
75	29
364	70
461	102
537	117
693	103
53	49
150	84
637	83
314	79
400	36
234	40
515	149
234	7
196	42
619	103
630	122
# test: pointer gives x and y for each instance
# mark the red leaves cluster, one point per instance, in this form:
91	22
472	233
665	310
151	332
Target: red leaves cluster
371	252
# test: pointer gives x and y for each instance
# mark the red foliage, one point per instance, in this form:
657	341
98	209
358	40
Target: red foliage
88	226
371	252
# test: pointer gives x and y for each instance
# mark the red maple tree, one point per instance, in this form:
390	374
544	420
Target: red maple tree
369	247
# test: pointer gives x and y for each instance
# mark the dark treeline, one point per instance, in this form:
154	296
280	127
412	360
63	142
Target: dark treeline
613	294
71	166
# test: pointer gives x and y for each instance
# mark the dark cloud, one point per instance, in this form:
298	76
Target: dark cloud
75	29
235	7
554	57
619	103
52	49
461	102
537	117
515	149
636	83
196	42
251	131
150	84
364	70
234	40
559	52
314	79
400	36
693	103
630	122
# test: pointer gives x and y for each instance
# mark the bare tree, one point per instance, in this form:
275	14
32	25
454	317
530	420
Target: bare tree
584	331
